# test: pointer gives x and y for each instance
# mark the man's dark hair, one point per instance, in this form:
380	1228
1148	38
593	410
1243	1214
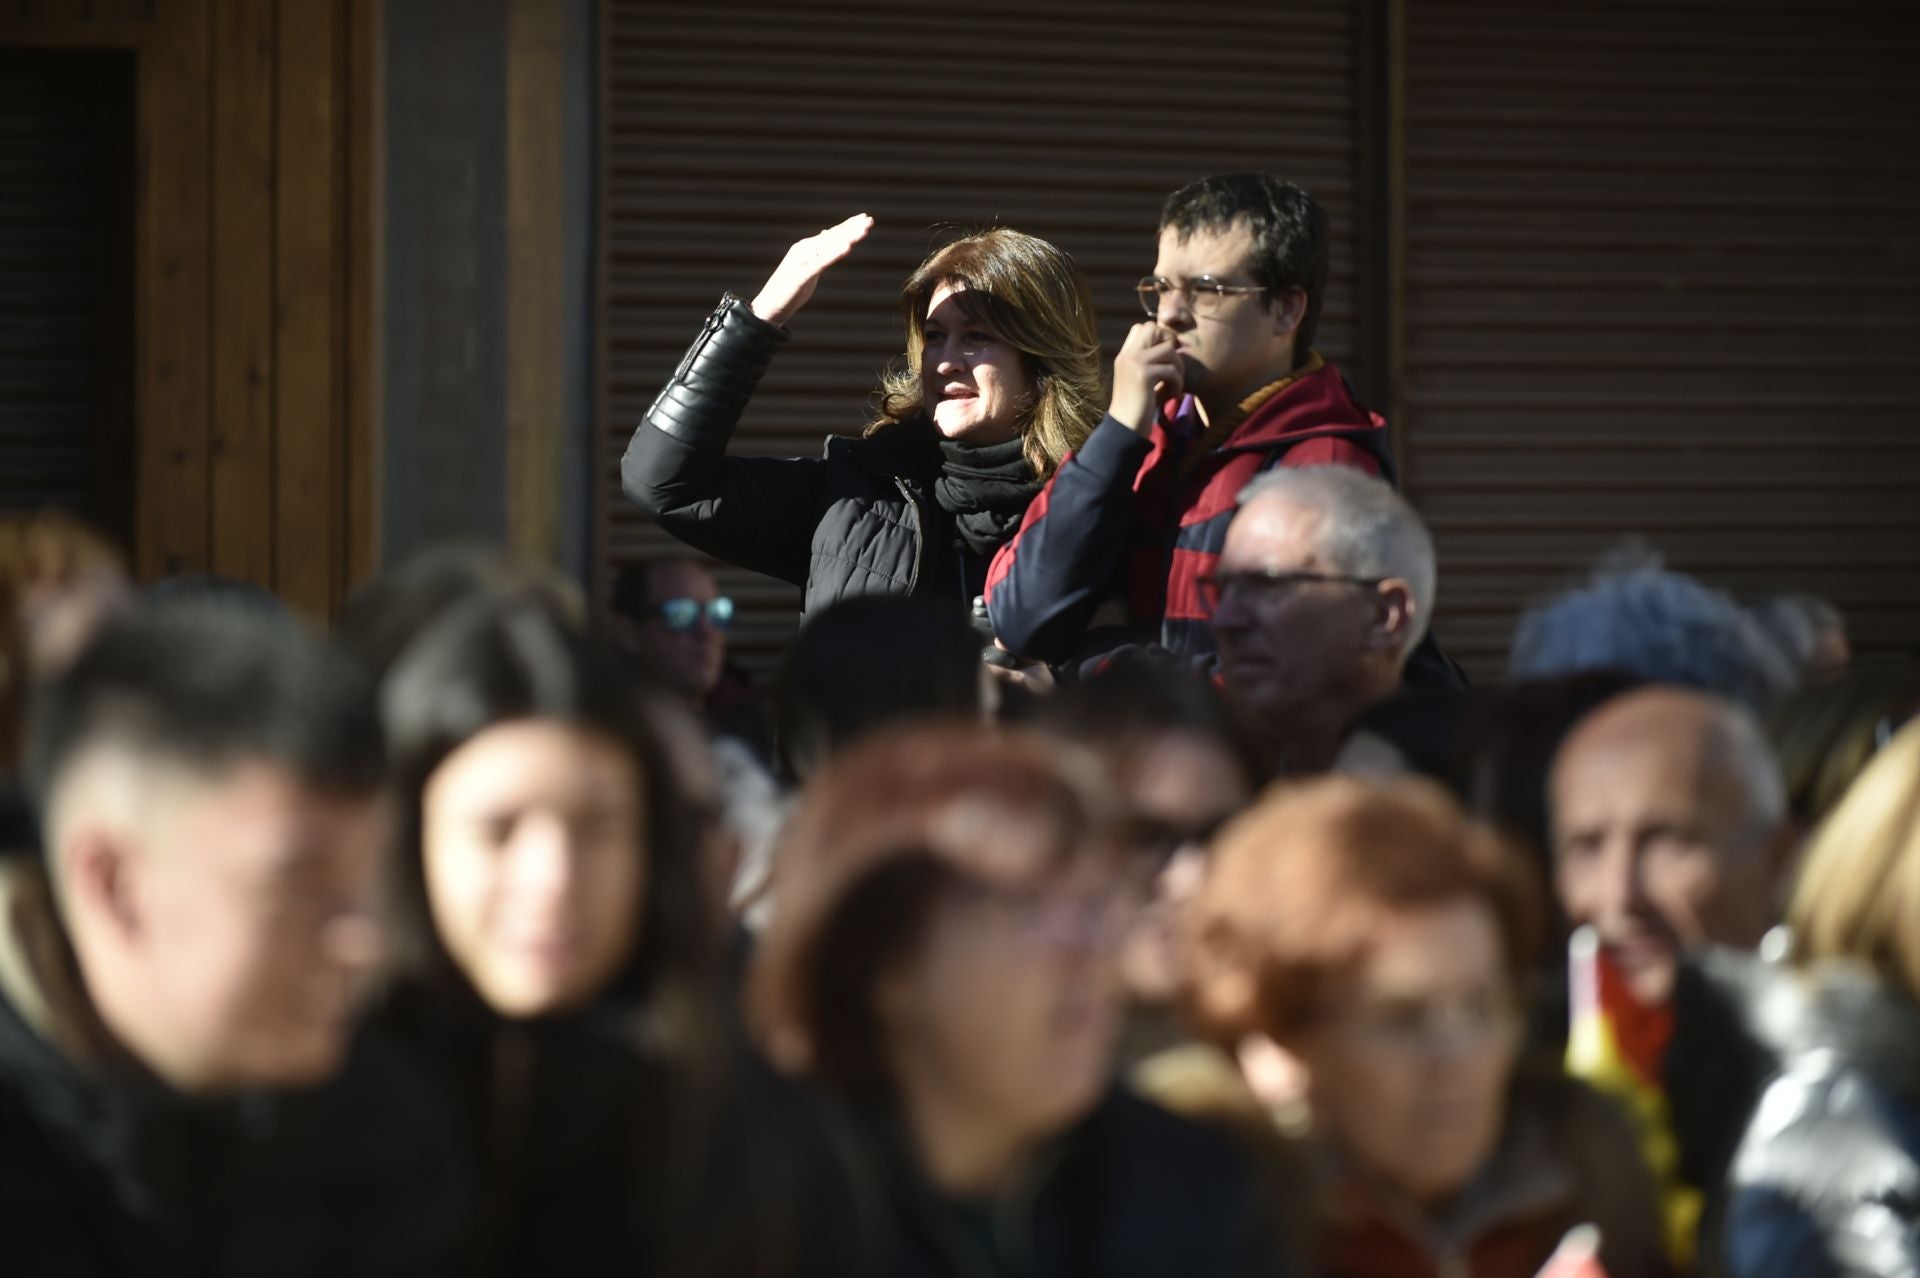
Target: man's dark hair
1289	235
209	683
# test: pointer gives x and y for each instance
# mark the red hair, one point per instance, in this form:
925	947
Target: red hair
1299	887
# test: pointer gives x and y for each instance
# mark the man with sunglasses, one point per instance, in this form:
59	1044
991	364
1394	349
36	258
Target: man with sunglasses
1221	384
670	618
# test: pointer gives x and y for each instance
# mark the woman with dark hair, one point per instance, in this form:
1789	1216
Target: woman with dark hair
941	961
551	956
1001	380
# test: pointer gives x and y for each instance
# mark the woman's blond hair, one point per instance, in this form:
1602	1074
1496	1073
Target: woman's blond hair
1033	298
1858	898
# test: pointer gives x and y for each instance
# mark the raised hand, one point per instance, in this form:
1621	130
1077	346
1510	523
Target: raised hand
793	281
1145	373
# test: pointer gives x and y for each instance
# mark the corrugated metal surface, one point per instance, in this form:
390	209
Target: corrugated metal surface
1663	277
733	128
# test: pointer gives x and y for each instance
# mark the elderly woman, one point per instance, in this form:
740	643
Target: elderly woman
1365	943
1001	381
941	961
1827	1181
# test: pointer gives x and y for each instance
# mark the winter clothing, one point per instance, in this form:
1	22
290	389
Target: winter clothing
987	489
866	517
1130	1191
1147	516
1568	1157
1827	1179
106	1171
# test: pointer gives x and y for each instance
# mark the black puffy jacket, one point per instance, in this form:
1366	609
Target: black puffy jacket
858	520
1827	1180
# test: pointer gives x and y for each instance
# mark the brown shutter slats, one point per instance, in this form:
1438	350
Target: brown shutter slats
1662	278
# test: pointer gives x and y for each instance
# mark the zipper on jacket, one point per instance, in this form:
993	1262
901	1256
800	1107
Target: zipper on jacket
919	532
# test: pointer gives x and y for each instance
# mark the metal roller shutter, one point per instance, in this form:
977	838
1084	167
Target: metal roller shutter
731	129
1663	278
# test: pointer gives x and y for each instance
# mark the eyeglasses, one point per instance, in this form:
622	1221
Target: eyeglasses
1206	294
684	613
1417	1028
1258	581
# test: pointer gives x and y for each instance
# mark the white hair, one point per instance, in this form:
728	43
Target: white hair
1367	530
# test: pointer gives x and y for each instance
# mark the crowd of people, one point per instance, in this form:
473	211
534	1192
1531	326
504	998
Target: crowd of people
1118	879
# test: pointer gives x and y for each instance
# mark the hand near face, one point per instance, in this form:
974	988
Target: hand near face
1145	373
793	281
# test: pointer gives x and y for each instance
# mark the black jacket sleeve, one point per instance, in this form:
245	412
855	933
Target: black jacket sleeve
756	512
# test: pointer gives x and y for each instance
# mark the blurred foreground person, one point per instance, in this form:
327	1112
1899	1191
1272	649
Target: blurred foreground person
1670	831
1322	592
1370	941
555	969
1670	836
383	616
1827	1181
551	942
181	1091
941	960
1181	774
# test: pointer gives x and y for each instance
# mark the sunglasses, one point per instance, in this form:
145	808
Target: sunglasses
685	613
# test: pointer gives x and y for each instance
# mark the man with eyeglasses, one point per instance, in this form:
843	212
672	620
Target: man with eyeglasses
1321	593
670	618
1220	385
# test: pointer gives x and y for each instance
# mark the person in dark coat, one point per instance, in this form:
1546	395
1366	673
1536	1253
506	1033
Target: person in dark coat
1001	381
941	963
1827	1178
182	1090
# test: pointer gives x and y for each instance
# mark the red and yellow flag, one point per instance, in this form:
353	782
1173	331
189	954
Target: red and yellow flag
1616	1043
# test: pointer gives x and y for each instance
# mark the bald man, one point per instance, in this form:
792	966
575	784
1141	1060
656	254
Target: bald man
1670	831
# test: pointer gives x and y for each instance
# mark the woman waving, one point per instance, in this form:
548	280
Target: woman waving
1001	381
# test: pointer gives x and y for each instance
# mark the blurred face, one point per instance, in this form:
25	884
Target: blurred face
1654	842
254	898
1288	646
1243	342
1408	1073
533	838
1181	789
685	650
1009	1010
975	386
